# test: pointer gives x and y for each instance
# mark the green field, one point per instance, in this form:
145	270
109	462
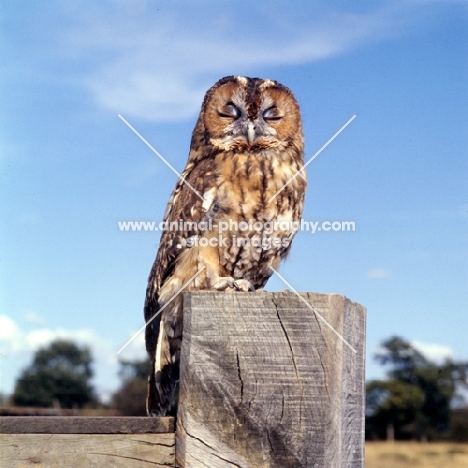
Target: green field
416	455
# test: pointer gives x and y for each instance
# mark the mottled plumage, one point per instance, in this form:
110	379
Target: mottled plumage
247	144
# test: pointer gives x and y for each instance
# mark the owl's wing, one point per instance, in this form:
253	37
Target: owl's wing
185	206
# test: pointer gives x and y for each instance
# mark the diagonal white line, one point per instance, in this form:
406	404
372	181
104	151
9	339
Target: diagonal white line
315	312
160	310
161	158
312	158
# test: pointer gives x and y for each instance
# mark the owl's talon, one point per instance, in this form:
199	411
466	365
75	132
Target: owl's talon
243	285
223	283
228	283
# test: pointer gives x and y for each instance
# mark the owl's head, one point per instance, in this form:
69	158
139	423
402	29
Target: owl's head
251	114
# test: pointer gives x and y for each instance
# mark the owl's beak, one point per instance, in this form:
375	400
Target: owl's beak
251	132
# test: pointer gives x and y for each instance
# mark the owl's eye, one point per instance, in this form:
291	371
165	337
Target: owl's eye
230	110
272	114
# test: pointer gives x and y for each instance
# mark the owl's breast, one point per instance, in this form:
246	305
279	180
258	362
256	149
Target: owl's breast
258	187
254	224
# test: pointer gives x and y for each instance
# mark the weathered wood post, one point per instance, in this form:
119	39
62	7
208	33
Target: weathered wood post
271	380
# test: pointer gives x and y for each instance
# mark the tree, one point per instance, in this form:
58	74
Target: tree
130	400
417	397
459	425
392	404
59	373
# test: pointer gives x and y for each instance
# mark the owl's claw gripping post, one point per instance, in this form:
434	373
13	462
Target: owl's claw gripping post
243	285
236	286
226	283
222	283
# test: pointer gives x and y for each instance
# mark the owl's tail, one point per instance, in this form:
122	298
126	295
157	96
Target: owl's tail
164	375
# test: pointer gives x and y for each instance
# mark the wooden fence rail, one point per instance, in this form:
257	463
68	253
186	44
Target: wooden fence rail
267	380
61	441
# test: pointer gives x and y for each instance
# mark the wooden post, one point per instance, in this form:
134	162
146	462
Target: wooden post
265	382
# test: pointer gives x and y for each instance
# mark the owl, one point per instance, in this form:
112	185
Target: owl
231	216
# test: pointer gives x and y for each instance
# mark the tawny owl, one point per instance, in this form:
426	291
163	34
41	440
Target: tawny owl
247	145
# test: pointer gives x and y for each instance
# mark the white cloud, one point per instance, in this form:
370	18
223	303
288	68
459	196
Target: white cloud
33	318
16	341
8	328
156	64
152	81
378	273
18	346
434	352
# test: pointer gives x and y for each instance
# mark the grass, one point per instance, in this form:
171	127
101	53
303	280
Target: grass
416	455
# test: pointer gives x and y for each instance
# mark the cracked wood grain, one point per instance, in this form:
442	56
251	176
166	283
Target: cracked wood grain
87	450
240	378
264	384
287	338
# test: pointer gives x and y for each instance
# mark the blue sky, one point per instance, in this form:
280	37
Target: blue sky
70	169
